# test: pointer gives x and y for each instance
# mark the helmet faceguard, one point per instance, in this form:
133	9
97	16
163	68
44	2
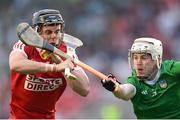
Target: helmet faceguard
48	17
147	45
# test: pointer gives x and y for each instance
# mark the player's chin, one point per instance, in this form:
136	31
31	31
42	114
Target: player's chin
140	74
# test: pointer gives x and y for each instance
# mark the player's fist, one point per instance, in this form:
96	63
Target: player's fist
110	83
65	64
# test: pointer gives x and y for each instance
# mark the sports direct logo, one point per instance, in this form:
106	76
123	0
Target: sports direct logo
41	84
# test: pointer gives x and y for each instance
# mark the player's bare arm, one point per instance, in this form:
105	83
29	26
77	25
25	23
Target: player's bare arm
19	62
80	83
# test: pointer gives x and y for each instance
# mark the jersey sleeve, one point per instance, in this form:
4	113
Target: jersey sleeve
132	80
20	47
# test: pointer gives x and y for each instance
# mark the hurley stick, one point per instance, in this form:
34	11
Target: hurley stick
29	37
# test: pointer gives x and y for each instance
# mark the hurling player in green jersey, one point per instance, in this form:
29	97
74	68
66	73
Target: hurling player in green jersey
154	86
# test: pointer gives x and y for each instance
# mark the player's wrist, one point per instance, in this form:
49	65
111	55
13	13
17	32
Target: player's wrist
51	68
116	89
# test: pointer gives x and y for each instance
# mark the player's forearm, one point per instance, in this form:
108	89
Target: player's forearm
18	62
81	84
26	66
124	91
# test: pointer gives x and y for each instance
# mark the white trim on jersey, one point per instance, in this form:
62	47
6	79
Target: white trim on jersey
19	46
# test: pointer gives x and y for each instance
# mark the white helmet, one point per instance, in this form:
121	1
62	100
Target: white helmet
147	45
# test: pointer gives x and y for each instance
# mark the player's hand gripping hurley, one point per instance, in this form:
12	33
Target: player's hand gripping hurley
72	43
29	37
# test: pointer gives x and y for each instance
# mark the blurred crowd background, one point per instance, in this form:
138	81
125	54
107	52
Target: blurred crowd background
107	29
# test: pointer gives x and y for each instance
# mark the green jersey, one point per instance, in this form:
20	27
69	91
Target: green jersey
161	100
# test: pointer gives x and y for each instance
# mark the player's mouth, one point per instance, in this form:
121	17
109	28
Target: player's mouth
140	71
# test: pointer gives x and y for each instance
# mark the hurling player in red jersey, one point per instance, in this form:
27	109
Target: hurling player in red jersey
38	83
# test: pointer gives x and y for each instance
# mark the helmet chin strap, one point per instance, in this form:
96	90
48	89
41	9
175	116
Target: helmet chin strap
158	62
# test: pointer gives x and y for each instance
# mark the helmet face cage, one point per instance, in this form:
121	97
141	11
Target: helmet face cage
147	45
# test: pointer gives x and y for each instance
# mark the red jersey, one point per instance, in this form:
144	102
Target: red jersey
35	95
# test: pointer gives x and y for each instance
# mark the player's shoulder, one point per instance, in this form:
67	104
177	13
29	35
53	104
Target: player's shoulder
19	45
168	62
132	80
167	65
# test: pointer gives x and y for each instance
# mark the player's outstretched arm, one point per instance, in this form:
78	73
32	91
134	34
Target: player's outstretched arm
122	91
